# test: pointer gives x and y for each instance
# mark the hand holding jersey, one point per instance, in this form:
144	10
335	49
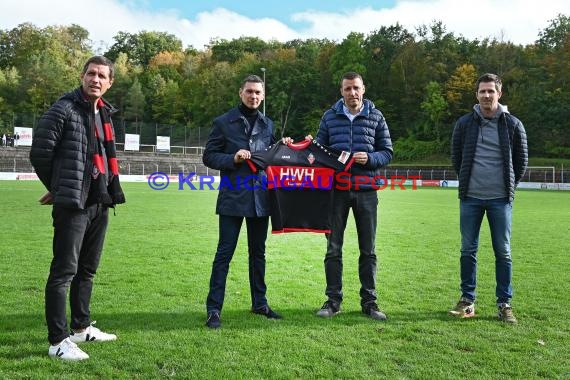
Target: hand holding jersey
300	178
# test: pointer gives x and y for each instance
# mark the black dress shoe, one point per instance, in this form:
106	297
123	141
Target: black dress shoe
213	320
267	312
374	312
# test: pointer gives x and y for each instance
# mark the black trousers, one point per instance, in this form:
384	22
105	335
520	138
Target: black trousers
77	245
364	205
230	227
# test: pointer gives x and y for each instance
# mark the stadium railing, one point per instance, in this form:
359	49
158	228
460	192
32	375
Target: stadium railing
174	162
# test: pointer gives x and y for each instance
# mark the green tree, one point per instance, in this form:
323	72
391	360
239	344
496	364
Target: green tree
435	108
168	65
551	127
460	89
348	56
135	102
192	86
165	101
327	85
443	50
232	51
143	46
49	74
122	83
404	91
556	34
9	83
48	61
381	48
17	44
211	92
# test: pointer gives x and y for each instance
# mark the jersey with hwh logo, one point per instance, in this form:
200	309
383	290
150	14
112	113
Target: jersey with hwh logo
300	178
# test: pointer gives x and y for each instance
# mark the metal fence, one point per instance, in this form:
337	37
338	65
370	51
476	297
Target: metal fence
135	166
180	134
541	174
189	159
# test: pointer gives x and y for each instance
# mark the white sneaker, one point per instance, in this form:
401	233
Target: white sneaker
91	334
67	350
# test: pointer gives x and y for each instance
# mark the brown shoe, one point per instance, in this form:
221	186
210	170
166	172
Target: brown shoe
465	308
506	313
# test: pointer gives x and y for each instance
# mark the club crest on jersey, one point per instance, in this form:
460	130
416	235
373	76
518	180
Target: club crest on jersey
311	158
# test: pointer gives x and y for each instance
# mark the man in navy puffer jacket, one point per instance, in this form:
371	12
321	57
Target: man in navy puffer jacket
355	125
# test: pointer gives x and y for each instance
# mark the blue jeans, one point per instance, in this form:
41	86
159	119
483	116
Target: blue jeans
499	215
364	206
229	229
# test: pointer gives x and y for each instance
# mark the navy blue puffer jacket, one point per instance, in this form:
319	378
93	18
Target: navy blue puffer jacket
368	132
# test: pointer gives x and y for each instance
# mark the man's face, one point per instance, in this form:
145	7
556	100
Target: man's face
252	94
352	91
96	81
488	97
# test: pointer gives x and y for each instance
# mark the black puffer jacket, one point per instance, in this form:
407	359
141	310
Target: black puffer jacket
512	138
63	146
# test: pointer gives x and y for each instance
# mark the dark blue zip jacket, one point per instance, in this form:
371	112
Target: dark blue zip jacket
240	192
512	139
368	132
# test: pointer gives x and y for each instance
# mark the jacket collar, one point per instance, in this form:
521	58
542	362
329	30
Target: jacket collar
234	115
367	106
78	96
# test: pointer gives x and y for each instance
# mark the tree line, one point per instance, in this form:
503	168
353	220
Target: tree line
422	80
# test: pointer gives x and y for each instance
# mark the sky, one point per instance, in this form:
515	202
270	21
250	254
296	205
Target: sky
197	22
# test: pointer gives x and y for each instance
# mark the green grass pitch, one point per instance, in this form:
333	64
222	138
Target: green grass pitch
153	279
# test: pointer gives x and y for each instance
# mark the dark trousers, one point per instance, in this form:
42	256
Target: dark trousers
77	245
229	229
364	206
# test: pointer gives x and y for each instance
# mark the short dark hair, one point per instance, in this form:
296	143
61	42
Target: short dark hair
488	77
350	76
252	79
100	60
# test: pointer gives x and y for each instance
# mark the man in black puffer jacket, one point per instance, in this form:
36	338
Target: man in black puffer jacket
490	155
73	153
353	124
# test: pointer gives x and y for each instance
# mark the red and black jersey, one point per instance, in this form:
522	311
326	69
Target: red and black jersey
300	178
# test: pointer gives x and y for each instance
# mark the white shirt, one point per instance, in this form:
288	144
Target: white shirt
347	112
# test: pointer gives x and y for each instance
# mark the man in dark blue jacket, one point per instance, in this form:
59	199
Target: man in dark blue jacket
73	153
355	125
490	155
235	135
